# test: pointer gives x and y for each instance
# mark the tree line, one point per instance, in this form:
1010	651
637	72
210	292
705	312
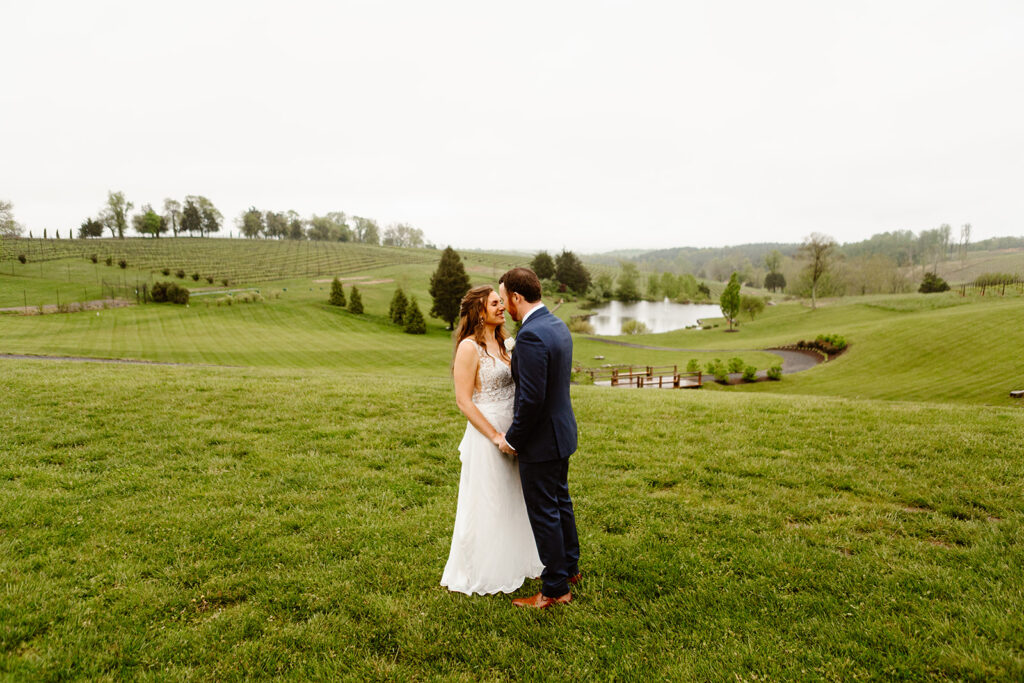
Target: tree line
197	215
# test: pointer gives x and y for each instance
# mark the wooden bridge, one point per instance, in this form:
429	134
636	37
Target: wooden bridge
646	377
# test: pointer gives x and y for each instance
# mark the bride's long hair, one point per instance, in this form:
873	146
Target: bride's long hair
471	321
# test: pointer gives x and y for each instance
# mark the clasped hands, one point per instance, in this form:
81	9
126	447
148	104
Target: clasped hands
499	441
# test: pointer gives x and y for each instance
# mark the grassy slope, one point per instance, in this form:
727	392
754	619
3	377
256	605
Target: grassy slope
911	347
62	268
1007	261
164	522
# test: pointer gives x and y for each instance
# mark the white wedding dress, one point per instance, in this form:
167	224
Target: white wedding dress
492	544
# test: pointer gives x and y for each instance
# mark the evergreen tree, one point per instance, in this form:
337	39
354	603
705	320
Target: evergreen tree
730	299
191	219
337	293
543	265
399	305
414	322
933	283
355	302
448	285
570	271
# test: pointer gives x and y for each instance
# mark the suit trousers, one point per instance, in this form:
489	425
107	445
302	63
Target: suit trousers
546	490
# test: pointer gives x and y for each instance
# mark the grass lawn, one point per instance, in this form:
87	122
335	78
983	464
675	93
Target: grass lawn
177	522
283	506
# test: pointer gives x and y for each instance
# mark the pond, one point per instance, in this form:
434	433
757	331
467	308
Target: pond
659	316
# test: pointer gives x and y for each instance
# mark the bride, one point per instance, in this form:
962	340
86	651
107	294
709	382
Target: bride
492	544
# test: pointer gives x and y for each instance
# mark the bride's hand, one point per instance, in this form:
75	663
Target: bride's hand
503	446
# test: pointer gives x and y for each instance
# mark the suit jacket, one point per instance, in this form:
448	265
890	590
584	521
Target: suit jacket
544	426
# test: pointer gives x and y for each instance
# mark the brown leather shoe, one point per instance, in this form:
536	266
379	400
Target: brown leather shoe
576	578
541	601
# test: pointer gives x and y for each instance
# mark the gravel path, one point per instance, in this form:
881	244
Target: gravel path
88	359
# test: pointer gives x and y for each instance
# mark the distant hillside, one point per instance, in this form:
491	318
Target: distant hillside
712	262
903	248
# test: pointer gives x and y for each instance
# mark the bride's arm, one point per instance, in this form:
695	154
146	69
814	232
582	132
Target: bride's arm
467	360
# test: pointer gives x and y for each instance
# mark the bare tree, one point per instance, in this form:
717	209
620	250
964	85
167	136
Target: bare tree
946	240
819	250
172	212
965	239
8	226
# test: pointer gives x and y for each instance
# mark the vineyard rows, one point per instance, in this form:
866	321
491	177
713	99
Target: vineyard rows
237	261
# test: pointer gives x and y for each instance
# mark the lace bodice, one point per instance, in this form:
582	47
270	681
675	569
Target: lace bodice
496	385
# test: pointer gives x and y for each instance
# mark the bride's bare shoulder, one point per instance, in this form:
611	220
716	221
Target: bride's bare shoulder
467	347
468	343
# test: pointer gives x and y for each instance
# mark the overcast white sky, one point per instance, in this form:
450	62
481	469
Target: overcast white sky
590	125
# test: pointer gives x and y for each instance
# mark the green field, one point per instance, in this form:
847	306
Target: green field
281	505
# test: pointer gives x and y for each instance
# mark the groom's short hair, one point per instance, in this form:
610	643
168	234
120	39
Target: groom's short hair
524	282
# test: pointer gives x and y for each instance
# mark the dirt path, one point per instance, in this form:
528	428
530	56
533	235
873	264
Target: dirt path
72	307
792	361
89	359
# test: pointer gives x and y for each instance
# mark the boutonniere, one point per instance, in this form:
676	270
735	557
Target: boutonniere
510	344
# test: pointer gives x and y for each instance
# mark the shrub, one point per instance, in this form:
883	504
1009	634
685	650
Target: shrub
736	365
169	292
718	370
123	263
94	258
933	283
110	260
195	277
580	325
830	343
355	301
225	282
634	327
248	298
337	297
166	271
749	373
775	372
579	376
414	322
180	274
398	305
826	343
693	365
177	294
721	373
22	258
209	279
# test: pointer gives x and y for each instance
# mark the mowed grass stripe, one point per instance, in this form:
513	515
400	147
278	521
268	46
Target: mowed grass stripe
242	523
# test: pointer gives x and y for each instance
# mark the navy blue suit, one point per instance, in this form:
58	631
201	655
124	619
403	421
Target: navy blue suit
543	432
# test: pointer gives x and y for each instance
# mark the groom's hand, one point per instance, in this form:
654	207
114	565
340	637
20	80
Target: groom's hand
499	441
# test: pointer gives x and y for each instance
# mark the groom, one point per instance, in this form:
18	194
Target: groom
543	433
